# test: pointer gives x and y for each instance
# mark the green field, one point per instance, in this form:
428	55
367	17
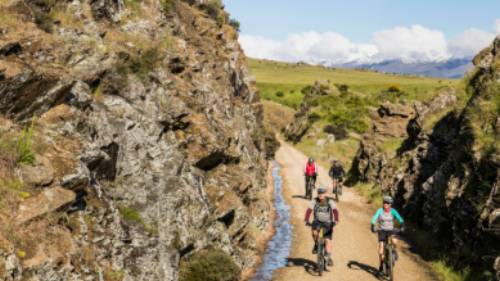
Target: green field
290	78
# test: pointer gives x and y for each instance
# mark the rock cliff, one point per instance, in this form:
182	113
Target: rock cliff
446	178
131	138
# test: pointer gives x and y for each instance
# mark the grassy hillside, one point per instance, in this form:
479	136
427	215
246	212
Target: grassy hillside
347	104
290	78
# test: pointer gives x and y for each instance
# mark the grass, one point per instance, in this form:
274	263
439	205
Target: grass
369	82
209	265
390	146
276	116
371	192
131	215
343	150
24	148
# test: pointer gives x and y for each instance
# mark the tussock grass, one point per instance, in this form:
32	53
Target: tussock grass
209	265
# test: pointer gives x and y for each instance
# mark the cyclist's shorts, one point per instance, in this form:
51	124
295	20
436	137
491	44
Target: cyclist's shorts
383	235
327	228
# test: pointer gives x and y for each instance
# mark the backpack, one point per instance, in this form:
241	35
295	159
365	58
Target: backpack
329	208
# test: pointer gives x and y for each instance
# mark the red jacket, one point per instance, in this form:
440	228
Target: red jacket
311	169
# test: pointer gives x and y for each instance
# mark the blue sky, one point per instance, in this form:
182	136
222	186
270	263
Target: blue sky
464	25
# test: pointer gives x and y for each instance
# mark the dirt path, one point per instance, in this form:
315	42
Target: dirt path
354	250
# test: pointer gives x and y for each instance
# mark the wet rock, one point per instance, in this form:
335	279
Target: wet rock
47	201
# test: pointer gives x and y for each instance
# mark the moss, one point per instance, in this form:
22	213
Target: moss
114	275
209	265
130	214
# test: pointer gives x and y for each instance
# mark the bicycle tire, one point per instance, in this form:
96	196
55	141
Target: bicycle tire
390	264
320	262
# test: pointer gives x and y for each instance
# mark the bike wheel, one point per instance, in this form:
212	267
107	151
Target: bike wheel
390	265
320	262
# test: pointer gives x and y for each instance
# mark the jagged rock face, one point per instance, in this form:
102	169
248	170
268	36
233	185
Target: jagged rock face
153	127
446	179
301	122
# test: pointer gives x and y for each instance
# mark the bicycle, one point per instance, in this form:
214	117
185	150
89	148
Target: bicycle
389	255
337	189
309	187
321	257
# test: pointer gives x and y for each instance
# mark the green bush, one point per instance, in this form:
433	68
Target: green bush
280	94
343	88
209	265
307	89
235	24
394	88
24	149
167	6
213	9
44	21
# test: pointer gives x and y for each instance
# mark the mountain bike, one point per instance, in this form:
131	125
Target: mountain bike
389	255
337	189
321	258
309	187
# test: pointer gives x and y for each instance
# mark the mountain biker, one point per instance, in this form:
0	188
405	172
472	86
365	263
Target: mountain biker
384	217
310	171
326	216
336	173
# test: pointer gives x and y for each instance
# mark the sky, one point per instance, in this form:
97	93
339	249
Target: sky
365	31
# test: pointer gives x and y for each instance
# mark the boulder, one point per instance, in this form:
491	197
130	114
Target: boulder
47	201
41	173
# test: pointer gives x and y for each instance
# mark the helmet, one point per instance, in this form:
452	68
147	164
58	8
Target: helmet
310	160
388	199
321	189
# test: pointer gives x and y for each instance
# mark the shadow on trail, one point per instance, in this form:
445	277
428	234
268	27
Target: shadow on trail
301	197
355	265
309	266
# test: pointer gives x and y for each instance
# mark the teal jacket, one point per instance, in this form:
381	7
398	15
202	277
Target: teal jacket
386	219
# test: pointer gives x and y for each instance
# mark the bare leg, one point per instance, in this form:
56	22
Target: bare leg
381	251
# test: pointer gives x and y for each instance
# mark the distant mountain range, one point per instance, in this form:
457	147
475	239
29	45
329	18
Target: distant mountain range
454	68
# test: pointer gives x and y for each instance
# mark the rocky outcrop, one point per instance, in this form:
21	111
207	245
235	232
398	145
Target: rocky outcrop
303	119
148	140
445	179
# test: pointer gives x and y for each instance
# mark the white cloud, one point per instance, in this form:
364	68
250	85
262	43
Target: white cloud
259	47
470	42
411	44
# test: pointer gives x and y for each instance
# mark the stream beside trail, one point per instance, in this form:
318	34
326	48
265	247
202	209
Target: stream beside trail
278	248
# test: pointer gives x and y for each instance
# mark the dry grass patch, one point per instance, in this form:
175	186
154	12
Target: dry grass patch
276	116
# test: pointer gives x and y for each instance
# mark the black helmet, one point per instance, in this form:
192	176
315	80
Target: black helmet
311	160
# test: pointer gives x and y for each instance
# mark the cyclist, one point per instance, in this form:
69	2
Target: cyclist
337	173
326	216
310	171
384	217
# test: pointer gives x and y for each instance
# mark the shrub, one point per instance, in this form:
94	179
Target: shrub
144	63
307	89
24	150
209	265
313	117
167	6
394	88
44	21
213	8
343	88
235	24
280	94
340	132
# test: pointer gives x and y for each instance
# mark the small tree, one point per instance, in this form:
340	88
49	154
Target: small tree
280	94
